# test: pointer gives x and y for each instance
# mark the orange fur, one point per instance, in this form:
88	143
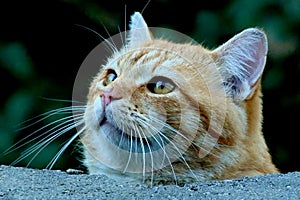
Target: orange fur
208	147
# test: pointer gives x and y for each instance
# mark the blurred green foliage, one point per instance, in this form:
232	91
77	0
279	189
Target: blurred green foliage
41	50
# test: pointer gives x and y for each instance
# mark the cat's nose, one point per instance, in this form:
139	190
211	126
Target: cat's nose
106	98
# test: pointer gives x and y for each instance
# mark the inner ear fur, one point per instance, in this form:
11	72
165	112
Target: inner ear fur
241	61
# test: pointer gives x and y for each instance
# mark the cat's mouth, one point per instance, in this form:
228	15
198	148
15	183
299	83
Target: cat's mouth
102	121
129	142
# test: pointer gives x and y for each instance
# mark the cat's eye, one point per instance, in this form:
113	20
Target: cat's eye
160	85
110	77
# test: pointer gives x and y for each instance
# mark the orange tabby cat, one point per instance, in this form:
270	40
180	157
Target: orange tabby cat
176	113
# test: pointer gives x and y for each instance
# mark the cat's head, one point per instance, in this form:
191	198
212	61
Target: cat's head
155	102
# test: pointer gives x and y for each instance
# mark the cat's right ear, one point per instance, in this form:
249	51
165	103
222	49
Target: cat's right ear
139	31
241	61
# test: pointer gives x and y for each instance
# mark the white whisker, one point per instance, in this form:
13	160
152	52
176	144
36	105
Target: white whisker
125	28
122	134
130	153
107	42
180	134
53	130
38	147
62	100
58	155
121	37
162	147
143	151
176	132
145	6
42	145
110	38
18	146
50	113
151	157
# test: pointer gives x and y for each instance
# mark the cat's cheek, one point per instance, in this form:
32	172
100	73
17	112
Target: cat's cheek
98	110
93	115
89	118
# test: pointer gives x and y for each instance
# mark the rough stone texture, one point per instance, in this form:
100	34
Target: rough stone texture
23	183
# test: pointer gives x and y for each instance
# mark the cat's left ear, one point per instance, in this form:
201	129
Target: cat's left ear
139	31
241	61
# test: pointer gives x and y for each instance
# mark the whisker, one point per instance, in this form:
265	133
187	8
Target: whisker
70	120
162	147
130	153
122	134
17	146
176	148
143	152
61	151
151	157
125	28
110	38
107	42
44	144
207	142
175	131
121	140
62	100
180	134
50	113
193	143
145	6
121	37
68	125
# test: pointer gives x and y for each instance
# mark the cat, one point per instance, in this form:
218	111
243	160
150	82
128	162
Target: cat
164	112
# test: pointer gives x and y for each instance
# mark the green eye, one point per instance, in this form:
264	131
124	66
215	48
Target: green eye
110	77
160	85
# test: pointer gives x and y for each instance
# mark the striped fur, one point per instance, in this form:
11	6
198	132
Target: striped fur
208	127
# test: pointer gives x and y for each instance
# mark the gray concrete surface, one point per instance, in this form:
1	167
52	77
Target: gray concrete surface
23	183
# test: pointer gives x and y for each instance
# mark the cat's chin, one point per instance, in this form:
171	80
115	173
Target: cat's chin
129	142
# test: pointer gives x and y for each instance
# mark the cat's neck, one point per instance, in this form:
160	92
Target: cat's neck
256	145
253	108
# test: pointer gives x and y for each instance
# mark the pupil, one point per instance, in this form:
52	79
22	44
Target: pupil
160	85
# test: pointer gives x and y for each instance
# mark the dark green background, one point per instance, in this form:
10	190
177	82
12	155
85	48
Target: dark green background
41	50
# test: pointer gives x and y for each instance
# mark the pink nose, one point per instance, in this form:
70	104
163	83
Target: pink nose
106	98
